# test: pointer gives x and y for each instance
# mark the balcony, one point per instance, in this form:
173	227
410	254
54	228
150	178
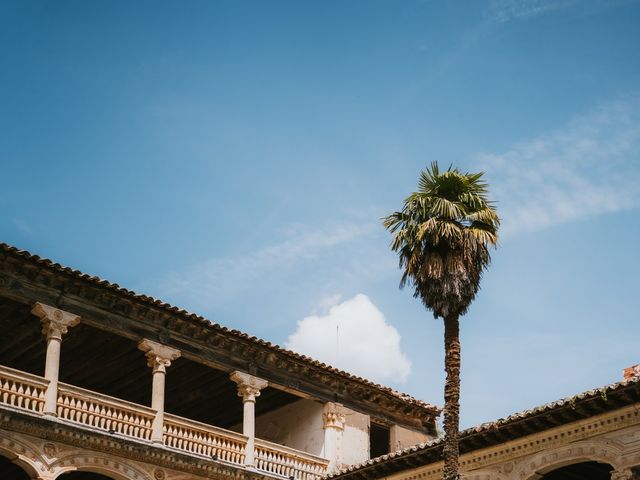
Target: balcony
98	412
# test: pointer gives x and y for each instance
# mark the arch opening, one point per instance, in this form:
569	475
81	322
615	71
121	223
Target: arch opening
8	469
82	475
581	471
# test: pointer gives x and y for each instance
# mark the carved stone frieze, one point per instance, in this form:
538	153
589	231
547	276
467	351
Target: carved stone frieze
45	452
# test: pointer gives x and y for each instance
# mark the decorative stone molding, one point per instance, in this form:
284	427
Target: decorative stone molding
159	356
610	438
249	387
625	474
55	322
591	450
333	416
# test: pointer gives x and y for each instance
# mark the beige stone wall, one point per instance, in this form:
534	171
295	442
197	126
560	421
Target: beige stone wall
401	437
297	425
355	438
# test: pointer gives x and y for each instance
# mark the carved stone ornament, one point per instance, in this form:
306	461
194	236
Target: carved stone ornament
49	450
159	474
248	386
622	475
333	416
55	322
159	356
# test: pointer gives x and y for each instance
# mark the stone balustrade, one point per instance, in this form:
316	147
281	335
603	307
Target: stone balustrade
24	391
103	412
201	439
288	462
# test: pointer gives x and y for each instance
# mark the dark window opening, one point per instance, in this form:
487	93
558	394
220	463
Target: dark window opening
379	440
581	471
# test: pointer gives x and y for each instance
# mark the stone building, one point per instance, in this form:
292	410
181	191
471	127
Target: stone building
97	382
591	436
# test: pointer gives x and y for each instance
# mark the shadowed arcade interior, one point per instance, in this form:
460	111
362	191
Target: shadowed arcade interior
103	362
581	471
84	476
11	471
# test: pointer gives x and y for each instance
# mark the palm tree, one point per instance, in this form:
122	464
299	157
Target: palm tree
442	236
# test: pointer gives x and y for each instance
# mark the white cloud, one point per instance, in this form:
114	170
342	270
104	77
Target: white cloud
588	168
354	336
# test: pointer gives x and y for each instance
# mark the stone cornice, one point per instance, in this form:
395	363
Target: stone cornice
29	278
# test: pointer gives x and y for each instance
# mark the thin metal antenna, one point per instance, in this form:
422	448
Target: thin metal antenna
337	343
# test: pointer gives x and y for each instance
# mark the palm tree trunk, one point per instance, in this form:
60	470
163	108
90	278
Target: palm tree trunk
451	397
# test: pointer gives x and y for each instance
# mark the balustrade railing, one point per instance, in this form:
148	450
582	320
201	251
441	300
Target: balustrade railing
22	390
79	406
106	413
288	462
199	438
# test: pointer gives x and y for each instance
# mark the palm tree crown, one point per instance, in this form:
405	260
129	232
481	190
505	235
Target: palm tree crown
442	237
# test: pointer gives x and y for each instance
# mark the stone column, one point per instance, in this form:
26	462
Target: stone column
333	423
159	357
249	388
55	323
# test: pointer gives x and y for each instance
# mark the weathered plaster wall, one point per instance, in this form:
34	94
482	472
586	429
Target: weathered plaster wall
401	438
297	425
355	438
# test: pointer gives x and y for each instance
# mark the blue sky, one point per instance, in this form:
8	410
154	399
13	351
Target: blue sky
235	158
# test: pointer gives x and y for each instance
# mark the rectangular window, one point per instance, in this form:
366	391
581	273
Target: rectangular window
379	439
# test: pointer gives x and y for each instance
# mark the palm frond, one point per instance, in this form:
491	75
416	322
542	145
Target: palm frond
442	235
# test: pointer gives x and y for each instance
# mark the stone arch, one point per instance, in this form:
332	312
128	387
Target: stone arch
482	475
114	468
23	455
549	460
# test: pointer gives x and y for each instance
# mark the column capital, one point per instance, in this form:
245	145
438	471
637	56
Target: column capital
248	386
625	474
55	322
159	356
333	416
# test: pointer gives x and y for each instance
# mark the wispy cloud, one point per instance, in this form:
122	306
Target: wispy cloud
502	11
355	336
506	10
589	167
219	280
22	225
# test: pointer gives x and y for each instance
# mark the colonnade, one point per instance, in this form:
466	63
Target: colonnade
56	322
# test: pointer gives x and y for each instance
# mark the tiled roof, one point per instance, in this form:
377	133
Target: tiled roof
192	317
549	415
